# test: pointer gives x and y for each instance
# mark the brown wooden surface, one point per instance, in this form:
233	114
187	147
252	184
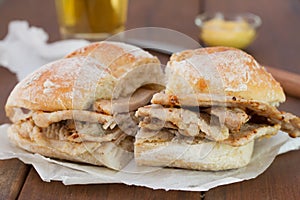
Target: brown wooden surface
13	174
277	45
275	183
105	191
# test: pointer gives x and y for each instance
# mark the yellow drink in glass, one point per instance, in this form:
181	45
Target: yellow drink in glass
91	19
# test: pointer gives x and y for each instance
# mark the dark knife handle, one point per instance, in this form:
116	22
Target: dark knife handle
288	80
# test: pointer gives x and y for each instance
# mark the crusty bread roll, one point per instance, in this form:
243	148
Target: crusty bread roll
53	109
217	102
224	71
102	70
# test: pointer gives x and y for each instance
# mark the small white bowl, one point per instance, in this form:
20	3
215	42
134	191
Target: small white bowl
234	30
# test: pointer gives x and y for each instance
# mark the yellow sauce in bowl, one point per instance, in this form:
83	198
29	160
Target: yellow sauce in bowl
220	32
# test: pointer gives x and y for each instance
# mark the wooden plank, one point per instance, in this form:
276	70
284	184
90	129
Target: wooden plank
280	181
12	176
133	192
7	82
35	188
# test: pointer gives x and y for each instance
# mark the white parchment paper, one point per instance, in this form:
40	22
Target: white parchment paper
152	177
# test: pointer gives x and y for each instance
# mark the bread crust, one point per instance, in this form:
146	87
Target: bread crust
118	57
203	155
60	85
103	70
222	71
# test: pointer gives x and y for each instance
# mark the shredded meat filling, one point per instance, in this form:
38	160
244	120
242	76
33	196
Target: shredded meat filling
79	132
233	118
187	122
43	119
139	98
243	128
288	122
250	132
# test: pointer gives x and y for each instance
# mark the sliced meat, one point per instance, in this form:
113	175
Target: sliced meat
233	118
17	114
37	135
246	134
188	122
205	100
250	132
127	122
289	125
156	124
43	119
146	135
24	127
139	98
80	132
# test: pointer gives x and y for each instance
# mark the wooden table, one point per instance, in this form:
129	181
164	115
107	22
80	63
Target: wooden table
278	45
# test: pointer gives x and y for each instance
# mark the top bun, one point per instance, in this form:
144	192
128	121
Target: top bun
221	71
103	70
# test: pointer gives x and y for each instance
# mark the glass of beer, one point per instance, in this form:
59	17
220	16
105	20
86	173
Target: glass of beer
91	19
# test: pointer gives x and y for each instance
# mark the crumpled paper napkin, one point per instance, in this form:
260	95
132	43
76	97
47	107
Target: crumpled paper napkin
25	48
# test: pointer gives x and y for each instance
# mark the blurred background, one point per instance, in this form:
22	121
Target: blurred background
277	37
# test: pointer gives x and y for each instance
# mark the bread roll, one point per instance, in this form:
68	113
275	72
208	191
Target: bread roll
44	107
221	71
217	102
101	70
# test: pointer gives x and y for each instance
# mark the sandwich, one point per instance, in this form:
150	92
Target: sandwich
216	103
81	108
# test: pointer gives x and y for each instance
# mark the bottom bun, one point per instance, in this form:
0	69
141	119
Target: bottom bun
102	154
202	155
